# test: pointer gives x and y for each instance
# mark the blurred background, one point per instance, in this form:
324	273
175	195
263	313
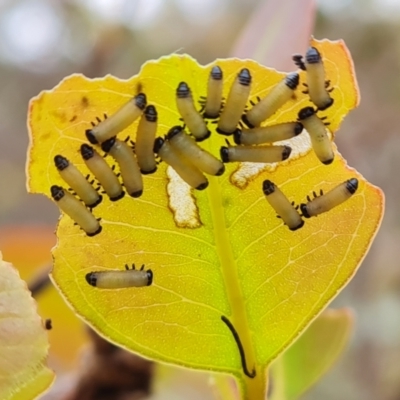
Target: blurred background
42	41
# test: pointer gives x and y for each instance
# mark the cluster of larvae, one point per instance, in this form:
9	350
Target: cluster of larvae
180	149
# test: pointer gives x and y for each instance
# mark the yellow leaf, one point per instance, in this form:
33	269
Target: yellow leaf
215	254
23	340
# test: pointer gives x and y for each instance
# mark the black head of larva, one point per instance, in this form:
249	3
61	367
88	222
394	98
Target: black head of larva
60	162
286	152
108	144
298	128
206	136
216	73
57	192
224	152
304	211
136	194
326	105
292	80
91	234
87	151
300	225
220	171
140	101
97	202
202	186
183	90
328	161
352	185
149	273
175	130
91	278
268	187
305	113
246	121
244	77
150	113
158	143
237	136
146	172
119	197
313	56
90	136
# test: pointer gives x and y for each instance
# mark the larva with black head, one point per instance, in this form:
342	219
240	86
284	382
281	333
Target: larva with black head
191	117
74	178
71	206
332	199
281	204
103	172
120	279
256	154
119	121
145	137
316	83
214	93
316	128
182	165
187	147
268	134
235	103
128	166
279	95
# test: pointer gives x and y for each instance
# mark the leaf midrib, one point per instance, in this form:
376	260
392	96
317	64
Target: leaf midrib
253	387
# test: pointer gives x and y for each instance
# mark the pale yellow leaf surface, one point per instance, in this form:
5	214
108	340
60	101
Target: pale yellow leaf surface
23	340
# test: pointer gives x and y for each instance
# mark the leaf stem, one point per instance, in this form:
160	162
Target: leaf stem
254	388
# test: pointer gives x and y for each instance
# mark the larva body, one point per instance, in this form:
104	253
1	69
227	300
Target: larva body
316	83
214	93
201	158
332	199
268	134
117	122
103	172
235	103
191	117
183	167
256	154
74	178
120	279
145	137
71	206
273	101
128	166
320	142
283	207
